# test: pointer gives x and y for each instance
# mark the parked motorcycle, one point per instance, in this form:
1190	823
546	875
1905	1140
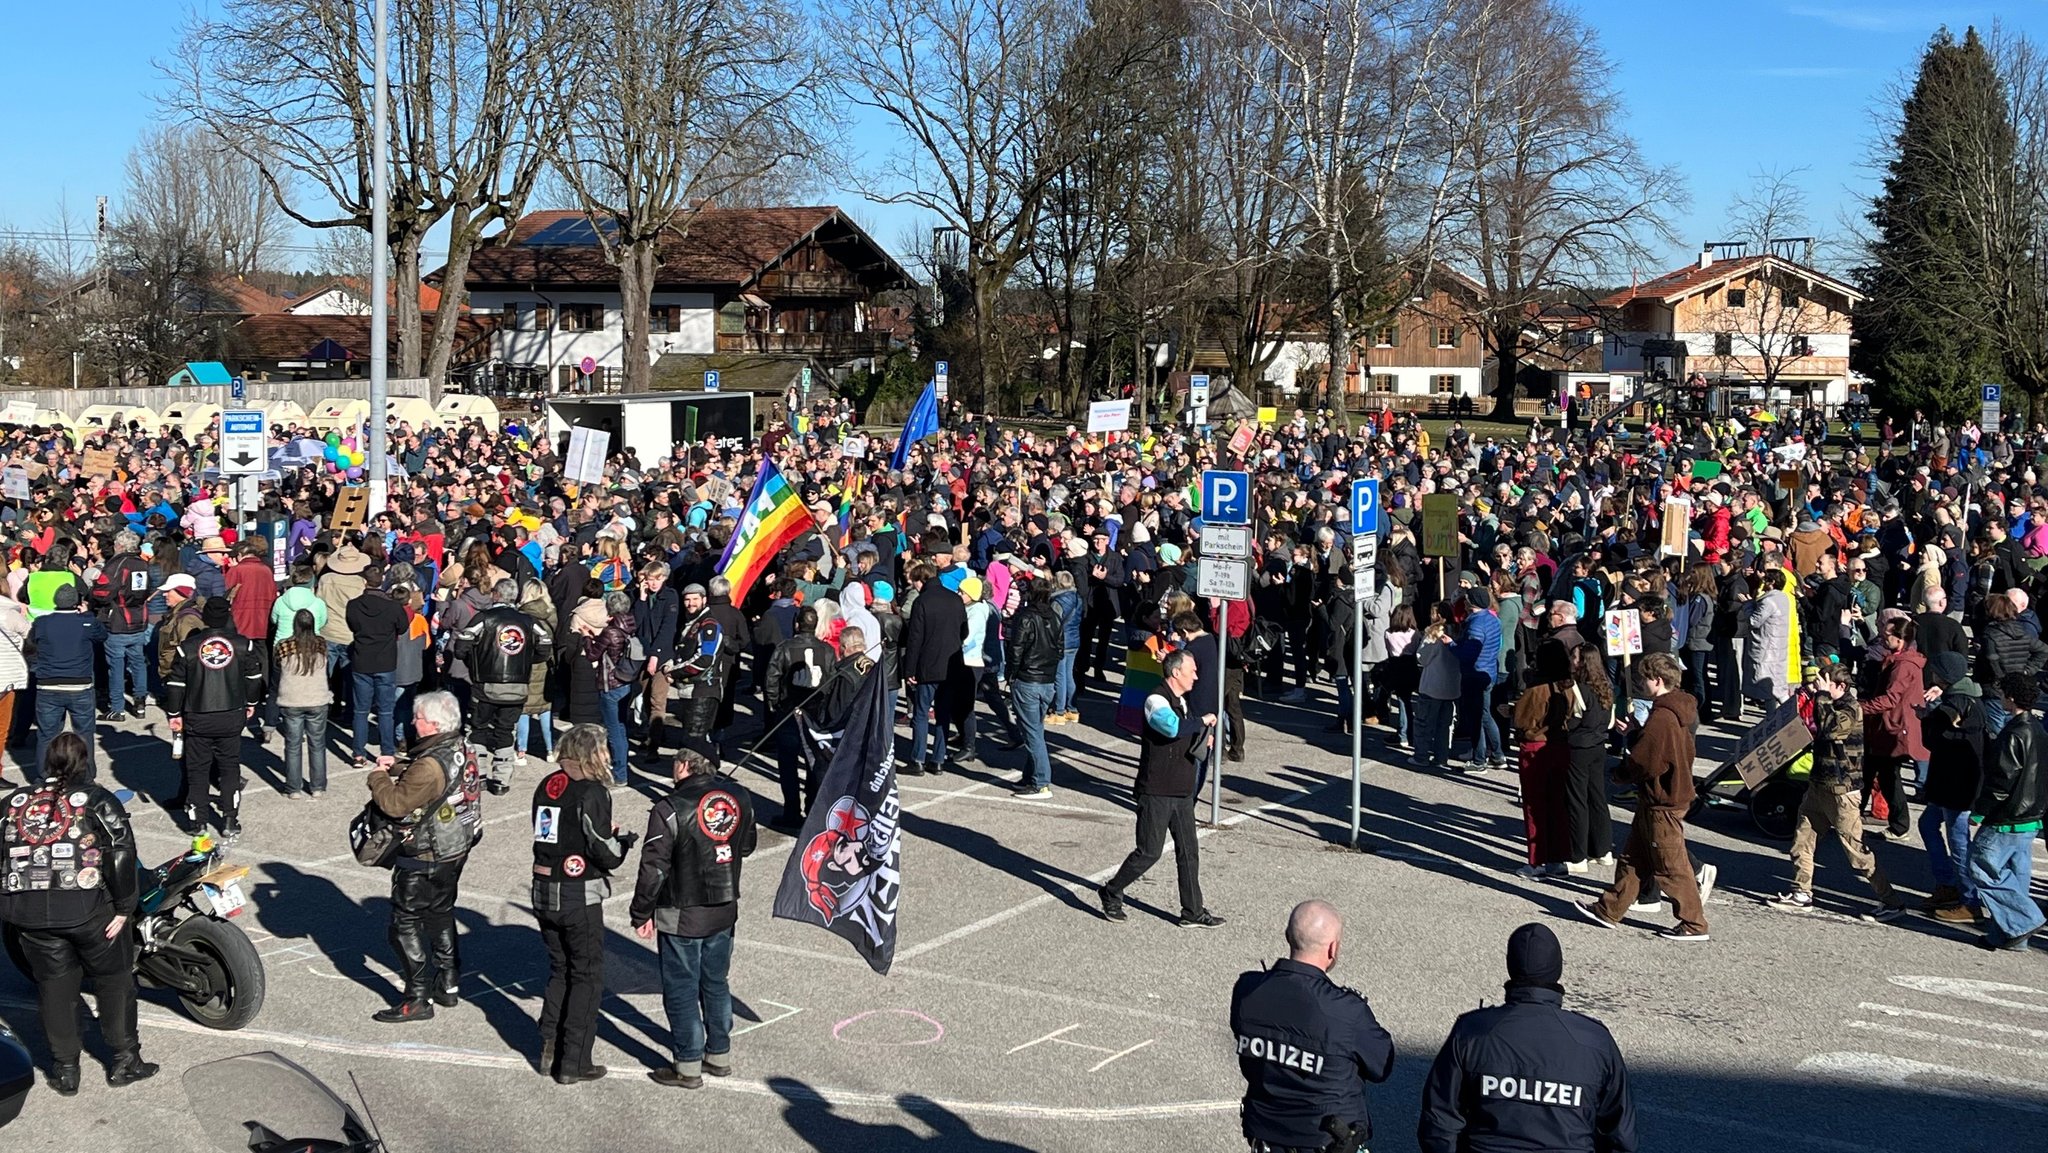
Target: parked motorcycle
263	1103
17	1075
186	939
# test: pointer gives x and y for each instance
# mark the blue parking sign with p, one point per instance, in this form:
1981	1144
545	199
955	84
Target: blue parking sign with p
1365	506
1227	497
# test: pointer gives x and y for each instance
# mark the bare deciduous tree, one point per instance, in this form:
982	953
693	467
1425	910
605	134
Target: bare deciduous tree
1549	191
1774	326
287	83
674	107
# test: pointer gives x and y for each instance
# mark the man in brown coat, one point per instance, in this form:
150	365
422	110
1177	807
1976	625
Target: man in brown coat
1660	766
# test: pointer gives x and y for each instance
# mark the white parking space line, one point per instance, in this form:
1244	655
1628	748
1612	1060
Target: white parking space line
1946	1039
788	1011
1890	1072
1946	1019
1094	879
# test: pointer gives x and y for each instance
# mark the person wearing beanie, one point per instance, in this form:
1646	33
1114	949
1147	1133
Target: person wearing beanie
1954	731
1528	1073
216	677
59	649
1306	1045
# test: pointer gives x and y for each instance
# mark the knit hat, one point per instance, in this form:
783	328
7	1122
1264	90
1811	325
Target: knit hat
1948	667
1534	956
215	613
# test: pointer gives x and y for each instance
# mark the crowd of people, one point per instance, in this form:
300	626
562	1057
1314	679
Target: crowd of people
998	573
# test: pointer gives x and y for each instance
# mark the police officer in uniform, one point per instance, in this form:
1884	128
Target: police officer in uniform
211	692
575	849
1527	1074
700	672
68	887
1306	1045
500	647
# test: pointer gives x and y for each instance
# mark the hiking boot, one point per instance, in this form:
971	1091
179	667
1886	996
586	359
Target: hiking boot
1942	897
1956	914
591	1074
668	1076
63	1078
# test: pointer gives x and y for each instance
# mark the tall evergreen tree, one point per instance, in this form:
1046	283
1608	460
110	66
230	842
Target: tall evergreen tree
1949	238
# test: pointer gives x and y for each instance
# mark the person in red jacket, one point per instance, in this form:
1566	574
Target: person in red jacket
252	591
1891	723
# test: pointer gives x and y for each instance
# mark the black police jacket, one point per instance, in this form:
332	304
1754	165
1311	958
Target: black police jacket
1527	1075
65	853
215	671
1306	1046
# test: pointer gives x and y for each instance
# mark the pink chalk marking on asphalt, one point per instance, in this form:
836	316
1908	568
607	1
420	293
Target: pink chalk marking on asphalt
938	1030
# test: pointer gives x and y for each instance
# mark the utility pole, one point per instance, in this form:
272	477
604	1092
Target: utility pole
380	256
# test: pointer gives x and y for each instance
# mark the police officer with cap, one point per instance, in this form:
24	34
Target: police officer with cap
68	887
1306	1045
1527	1074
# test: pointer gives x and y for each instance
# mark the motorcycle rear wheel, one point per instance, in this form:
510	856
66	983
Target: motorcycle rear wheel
233	970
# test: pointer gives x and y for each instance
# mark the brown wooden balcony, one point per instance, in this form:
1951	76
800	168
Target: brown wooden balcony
785	283
846	344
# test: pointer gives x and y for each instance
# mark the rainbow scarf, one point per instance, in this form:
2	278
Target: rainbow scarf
775	515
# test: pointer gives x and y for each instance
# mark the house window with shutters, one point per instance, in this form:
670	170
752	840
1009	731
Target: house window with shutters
582	318
1443	385
665	318
1447	336
1386	336
1383	382
543	317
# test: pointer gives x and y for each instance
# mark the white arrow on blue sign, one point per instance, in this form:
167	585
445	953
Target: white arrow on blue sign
1227	497
1365	507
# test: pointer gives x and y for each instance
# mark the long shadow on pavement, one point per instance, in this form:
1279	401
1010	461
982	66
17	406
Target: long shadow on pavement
813	1119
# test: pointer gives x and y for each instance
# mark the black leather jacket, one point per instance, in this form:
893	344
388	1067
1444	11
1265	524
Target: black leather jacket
795	670
2014	790
1034	646
696	837
215	671
499	648
105	846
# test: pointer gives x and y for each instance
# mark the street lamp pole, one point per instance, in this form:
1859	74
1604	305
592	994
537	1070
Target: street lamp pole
380	305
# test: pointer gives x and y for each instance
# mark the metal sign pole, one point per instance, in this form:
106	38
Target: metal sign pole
1223	677
1357	712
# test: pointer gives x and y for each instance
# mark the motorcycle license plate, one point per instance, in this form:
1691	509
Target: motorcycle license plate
226	899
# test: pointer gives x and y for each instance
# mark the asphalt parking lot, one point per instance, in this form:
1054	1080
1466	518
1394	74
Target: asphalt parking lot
1017	1019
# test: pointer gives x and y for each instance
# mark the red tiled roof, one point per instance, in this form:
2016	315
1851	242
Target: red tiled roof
723	248
430	296
283	336
247	299
1683	282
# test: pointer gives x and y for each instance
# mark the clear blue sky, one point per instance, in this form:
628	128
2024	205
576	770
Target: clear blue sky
1720	89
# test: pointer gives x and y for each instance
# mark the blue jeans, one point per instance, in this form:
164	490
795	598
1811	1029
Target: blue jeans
1063	683
52	707
377	691
127	662
696	995
1399	705
1033	700
1433	729
305	747
1946	832
2002	868
924	698
1478	697
608	707
547	731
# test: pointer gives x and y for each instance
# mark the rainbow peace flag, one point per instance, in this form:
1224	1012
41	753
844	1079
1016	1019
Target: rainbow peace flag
1142	674
775	515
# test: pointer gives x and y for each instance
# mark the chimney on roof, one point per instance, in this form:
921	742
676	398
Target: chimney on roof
1706	254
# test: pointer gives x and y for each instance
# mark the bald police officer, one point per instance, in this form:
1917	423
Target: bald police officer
1527	1074
1306	1045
